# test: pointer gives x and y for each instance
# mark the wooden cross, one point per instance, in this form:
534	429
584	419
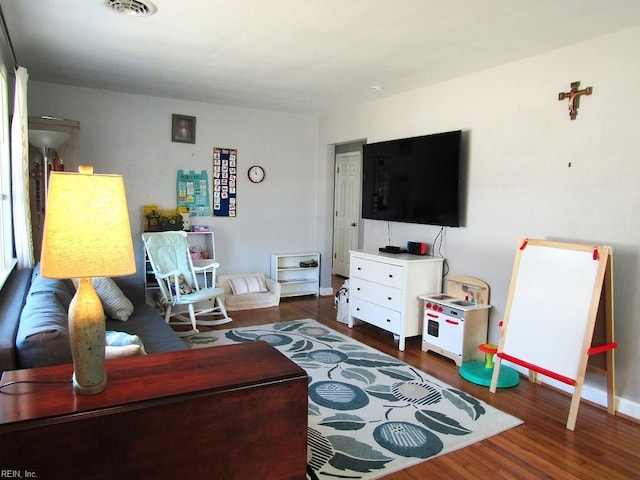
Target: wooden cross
574	98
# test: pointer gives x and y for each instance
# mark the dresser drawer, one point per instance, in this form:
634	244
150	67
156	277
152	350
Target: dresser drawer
383	273
382	295
385	318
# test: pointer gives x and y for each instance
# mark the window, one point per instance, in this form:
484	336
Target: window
7	260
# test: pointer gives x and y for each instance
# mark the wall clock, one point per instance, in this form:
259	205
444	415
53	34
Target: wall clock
256	173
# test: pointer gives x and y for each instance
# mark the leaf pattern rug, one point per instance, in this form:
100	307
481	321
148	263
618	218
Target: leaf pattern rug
370	414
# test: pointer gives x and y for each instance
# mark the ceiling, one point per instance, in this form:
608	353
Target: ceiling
304	56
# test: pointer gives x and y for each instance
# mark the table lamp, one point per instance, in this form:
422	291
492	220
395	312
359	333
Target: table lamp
87	234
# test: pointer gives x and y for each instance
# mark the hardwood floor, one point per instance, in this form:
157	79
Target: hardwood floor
602	446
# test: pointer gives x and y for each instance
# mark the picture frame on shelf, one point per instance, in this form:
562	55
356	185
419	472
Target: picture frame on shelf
183	128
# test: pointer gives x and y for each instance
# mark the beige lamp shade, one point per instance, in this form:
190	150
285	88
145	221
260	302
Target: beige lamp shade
86	231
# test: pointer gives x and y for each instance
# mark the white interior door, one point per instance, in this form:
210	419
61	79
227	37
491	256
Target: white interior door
346	209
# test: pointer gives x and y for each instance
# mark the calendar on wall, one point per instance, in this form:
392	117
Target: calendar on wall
192	190
224	182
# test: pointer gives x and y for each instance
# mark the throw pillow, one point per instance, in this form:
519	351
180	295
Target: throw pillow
115	304
247	284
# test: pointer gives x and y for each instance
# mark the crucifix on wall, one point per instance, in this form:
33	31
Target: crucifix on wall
574	98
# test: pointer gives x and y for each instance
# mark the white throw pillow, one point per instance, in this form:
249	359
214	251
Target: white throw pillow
247	284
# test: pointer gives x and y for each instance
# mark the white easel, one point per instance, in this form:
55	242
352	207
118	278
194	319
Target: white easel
551	314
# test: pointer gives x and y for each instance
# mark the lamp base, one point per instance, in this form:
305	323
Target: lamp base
87	337
89	390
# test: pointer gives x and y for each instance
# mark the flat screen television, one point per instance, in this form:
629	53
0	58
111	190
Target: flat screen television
413	180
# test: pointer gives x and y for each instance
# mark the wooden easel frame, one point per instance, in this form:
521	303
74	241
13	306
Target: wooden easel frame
602	290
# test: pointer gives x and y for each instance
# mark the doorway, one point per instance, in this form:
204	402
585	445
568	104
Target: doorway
346	221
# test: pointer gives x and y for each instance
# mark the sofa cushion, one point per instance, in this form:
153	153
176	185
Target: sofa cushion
63	289
247	284
249	301
43	333
146	323
12	297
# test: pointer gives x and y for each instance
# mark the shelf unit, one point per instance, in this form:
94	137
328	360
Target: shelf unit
293	278
203	240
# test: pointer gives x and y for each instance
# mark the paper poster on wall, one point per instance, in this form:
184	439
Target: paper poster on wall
224	182
193	192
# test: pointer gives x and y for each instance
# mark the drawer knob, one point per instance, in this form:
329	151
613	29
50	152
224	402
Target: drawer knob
388	320
388	298
359	268
390	276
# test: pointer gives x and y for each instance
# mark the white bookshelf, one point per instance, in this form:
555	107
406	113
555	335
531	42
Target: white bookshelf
294	278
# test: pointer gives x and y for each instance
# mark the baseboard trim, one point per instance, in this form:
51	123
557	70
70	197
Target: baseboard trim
594	391
325	292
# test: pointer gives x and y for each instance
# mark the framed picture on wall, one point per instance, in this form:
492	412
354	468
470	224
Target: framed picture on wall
183	128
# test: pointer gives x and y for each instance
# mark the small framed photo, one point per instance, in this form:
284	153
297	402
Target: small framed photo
183	128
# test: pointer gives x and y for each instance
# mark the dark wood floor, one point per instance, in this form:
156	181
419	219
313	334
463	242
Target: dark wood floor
602	446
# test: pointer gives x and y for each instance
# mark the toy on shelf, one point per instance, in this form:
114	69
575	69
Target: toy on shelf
159	220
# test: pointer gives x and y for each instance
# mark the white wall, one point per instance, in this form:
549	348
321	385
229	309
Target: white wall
131	135
520	185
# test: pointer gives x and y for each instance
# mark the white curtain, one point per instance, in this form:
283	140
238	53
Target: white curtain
20	172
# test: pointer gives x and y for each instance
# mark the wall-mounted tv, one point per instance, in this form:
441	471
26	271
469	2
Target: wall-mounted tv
413	180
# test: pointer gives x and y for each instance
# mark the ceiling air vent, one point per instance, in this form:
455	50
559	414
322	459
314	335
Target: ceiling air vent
136	8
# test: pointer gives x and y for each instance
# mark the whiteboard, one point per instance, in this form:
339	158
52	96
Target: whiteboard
553	299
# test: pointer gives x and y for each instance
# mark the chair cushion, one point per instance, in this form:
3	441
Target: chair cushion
198	296
247	284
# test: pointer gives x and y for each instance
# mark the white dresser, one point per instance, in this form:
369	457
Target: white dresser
384	290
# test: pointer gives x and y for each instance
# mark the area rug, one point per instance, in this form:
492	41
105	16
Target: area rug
369	413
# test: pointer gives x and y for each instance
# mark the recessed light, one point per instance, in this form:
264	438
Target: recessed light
377	88
135	8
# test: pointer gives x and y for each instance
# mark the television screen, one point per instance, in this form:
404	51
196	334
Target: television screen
413	180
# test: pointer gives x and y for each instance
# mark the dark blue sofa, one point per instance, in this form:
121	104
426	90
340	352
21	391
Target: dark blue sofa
33	321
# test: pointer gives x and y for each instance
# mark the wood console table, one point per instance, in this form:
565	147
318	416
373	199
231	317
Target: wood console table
229	412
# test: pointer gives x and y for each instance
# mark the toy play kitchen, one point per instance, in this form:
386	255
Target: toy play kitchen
456	322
